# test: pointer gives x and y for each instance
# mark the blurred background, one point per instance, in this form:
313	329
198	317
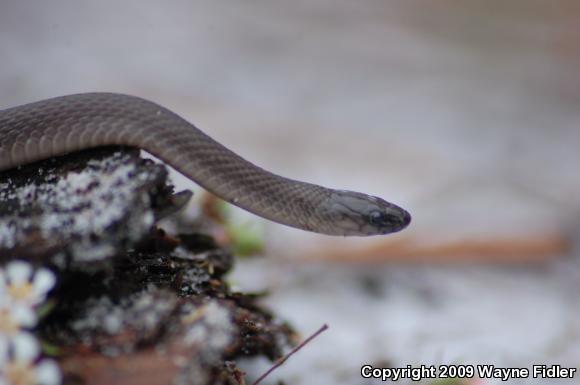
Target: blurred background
465	113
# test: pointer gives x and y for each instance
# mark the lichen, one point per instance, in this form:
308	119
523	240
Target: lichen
89	211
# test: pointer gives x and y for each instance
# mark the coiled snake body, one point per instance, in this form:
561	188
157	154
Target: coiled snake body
61	125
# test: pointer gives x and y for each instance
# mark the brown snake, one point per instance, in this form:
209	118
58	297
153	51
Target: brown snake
61	125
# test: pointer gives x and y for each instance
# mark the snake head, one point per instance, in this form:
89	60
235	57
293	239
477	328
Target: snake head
359	214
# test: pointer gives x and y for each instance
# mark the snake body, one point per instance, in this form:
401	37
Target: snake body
66	124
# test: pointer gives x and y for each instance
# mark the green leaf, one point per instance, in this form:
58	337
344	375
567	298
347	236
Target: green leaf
246	238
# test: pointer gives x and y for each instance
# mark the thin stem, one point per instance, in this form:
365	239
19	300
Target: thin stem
283	359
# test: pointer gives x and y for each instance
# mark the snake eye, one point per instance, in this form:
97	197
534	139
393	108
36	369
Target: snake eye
376	218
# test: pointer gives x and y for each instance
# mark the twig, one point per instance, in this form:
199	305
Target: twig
281	361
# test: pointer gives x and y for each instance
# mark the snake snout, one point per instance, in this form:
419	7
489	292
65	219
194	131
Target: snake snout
406	218
390	219
403	219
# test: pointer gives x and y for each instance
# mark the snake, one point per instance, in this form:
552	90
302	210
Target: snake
57	126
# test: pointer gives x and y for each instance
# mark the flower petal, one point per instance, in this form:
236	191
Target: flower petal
18	272
3	282
23	315
26	347
4	297
42	282
48	373
3	350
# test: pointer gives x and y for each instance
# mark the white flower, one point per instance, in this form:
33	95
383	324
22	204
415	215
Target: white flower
13	318
19	364
19	284
21	289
